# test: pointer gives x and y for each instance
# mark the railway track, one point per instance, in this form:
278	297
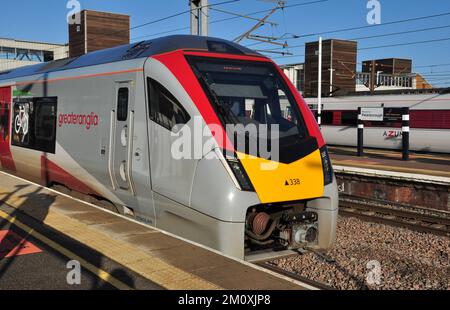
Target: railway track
418	219
269	266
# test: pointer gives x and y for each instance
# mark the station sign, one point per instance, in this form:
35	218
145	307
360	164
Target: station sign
372	114
393	114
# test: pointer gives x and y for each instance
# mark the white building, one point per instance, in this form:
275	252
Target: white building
386	82
295	73
18	53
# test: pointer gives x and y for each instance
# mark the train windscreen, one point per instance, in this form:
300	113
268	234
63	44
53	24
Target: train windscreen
244	92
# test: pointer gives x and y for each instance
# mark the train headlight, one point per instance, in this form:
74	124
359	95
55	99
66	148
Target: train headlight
240	174
235	170
326	165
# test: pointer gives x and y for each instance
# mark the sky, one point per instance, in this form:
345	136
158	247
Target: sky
45	20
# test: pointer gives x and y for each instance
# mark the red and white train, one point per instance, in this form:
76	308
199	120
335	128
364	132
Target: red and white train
429	121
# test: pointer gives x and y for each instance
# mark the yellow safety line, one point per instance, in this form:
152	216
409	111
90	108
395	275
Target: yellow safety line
105	276
140	262
390	168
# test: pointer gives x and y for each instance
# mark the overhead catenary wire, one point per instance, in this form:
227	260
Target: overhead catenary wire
234	17
404	44
381	35
295	37
384	46
433	65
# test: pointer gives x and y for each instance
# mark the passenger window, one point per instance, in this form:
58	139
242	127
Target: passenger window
34	124
349	118
327	117
45	120
164	107
122	104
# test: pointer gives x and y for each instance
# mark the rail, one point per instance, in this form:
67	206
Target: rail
269	266
414	218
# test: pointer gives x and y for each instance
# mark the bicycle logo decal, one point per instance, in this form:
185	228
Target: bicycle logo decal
21	123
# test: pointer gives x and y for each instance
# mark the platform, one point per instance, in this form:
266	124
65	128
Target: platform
430	165
114	251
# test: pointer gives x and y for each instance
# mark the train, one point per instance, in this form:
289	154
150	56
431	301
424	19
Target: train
429	115
105	125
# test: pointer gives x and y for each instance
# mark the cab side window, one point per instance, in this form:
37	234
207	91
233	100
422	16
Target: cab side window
165	109
122	104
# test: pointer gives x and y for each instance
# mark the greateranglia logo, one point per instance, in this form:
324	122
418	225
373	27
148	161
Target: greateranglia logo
85	120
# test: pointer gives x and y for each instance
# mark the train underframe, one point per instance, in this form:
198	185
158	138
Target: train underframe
277	228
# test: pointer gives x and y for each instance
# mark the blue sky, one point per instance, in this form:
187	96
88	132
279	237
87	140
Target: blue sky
45	20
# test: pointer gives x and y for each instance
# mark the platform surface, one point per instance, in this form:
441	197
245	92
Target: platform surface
424	164
114	252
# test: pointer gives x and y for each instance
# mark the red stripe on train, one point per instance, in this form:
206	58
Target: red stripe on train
6	159
52	173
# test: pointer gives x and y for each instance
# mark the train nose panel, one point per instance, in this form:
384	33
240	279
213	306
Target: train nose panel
278	182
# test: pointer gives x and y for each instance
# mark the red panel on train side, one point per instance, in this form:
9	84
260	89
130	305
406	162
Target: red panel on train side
6	159
52	173
430	119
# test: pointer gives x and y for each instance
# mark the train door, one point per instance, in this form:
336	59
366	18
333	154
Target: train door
121	140
128	162
6	160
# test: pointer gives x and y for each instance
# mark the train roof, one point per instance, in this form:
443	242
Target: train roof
138	50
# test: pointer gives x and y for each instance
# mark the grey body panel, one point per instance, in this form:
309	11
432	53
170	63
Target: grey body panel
226	237
327	208
215	193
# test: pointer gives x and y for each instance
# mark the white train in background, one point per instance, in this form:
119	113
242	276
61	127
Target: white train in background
429	120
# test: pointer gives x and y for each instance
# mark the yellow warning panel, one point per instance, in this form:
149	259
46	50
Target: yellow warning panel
278	182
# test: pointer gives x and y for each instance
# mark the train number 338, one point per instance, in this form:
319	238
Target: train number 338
293	182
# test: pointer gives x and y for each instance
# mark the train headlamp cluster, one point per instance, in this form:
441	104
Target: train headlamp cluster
326	165
240	174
